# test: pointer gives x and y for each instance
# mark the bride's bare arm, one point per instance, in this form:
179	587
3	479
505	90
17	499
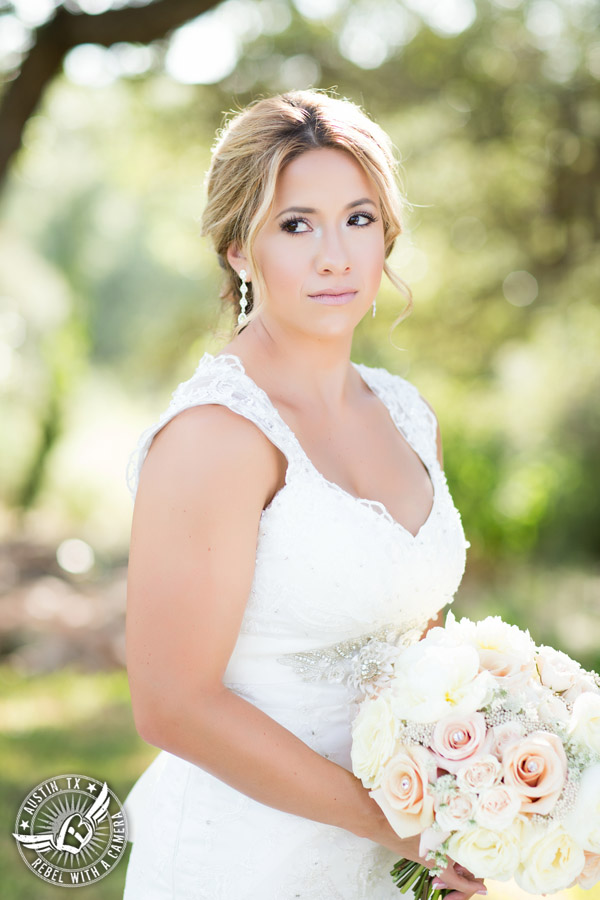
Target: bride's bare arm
202	489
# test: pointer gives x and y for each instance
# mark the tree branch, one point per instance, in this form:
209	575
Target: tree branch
139	24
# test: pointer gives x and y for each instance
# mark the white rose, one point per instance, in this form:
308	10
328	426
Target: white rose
557	670
479	773
498	807
454	810
487	853
504	650
583	820
431	682
374	733
585	721
550	859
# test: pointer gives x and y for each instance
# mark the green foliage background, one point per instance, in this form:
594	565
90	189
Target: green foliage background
108	297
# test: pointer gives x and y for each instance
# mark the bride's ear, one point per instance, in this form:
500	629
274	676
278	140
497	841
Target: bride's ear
238	261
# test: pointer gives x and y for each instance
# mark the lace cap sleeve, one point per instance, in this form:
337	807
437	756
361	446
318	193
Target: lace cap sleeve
216	380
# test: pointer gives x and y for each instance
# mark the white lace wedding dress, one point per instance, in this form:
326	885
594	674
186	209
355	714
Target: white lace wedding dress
331	571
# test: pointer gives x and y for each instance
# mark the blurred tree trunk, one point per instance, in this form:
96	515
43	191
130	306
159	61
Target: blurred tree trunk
139	24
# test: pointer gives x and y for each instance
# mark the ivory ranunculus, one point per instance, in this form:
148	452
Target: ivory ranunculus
479	773
550	859
583	820
374	733
404	796
536	766
585	721
487	853
504	650
498	807
455	810
457	739
590	876
431	682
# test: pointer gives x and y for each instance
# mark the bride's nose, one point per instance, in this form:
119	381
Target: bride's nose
332	254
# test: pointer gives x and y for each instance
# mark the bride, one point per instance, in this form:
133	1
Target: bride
256	558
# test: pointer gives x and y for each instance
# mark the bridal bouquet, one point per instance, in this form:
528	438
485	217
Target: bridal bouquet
489	747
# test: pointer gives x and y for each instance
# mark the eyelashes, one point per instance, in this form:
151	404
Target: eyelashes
296	220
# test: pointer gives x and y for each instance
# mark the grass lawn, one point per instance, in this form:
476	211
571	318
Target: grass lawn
53	725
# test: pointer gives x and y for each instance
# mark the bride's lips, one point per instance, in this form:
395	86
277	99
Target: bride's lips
333	298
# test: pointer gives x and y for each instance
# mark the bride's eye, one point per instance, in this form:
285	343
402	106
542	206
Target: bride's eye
290	225
362	215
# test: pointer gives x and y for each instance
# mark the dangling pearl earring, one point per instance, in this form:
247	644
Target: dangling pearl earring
374	307
242	318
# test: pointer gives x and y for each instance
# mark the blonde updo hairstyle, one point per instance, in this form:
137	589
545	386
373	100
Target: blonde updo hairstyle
250	152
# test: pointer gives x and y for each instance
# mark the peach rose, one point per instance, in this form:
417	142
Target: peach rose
403	795
479	774
457	739
591	871
498	807
536	766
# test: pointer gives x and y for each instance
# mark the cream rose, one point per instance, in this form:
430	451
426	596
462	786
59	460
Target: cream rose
431	681
498	807
590	876
457	739
404	796
583	820
536	766
454	810
504	650
374	733
487	853
480	773
557	670
550	859
585	684
585	721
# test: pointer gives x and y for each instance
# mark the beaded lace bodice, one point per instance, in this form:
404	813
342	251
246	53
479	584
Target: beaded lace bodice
331	566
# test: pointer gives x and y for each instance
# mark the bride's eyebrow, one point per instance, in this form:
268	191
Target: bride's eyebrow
308	209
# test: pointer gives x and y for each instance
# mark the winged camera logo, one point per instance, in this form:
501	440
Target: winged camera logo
71	830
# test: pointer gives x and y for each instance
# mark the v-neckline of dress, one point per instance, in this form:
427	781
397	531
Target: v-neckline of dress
362	501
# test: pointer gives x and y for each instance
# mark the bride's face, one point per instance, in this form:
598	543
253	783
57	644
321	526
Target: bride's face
323	238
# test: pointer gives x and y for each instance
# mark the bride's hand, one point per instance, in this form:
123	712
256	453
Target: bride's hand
462	883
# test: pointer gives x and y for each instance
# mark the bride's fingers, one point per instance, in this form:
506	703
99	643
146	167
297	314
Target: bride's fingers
464	887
